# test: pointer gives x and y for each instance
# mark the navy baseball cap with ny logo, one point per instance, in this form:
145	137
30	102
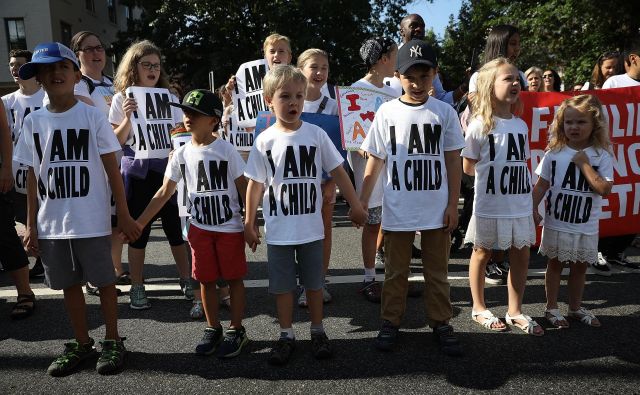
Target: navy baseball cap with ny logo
202	101
415	52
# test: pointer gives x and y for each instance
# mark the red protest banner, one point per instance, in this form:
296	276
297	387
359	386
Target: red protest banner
621	209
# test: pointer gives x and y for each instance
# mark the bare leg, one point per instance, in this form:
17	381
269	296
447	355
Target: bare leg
477	265
314	299
552	283
210	303
20	278
182	263
284	305
136	264
237	302
116	251
77	310
369	239
516	282
575	284
109	307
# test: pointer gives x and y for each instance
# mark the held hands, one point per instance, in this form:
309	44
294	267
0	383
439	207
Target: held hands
252	236
30	241
450	218
130	230
359	215
129	105
580	158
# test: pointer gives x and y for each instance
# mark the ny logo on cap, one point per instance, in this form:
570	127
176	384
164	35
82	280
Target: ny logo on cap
416	51
194	98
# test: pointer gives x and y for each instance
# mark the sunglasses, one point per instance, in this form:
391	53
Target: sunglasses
150	66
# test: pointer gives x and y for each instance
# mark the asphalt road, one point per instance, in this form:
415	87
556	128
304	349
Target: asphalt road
161	340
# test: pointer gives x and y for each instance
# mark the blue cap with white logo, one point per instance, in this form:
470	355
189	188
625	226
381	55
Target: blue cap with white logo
46	53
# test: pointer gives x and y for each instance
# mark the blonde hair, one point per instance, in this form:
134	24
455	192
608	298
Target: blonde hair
533	69
274	38
588	104
310	53
277	77
127	73
484	99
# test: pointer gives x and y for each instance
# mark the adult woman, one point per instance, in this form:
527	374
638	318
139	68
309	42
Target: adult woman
609	64
551	81
534	78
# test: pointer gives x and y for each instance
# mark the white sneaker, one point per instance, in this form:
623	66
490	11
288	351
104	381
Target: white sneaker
302	299
601	267
326	296
196	311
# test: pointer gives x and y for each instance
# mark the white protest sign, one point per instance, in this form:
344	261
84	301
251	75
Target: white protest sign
180	138
152	122
247	96
356	109
239	137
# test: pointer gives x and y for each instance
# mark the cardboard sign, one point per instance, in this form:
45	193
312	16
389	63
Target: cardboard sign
152	122
329	123
356	109
247	96
621	208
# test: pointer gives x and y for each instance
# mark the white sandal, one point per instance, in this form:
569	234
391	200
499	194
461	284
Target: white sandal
529	328
489	320
554	317
585	316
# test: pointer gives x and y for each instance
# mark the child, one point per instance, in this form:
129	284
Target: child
286	162
379	55
212	170
314	64
140	66
496	152
579	151
70	150
417	140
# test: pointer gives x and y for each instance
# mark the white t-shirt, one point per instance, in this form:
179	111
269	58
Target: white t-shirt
571	205
101	95
473	81
358	163
18	106
64	150
620	81
413	141
330	108
290	165
502	182
210	173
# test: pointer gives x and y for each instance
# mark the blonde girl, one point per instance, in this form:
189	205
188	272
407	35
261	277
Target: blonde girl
574	175
141	66
496	152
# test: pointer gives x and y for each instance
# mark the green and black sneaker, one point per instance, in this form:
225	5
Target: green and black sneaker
112	356
74	353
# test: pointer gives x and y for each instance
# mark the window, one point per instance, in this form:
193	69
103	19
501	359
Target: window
111	9
65	33
16	38
90	5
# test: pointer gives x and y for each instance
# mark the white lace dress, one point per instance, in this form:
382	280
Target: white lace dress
501	233
569	247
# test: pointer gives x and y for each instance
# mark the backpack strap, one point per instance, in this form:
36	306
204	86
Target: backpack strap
90	84
322	105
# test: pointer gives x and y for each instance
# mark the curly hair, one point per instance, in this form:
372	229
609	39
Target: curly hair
584	104
127	73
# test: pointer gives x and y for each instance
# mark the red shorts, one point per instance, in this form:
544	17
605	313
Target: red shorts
217	255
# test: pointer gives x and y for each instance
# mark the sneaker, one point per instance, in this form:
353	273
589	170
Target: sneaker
37	269
379	261
493	274
320	346
416	253
74	353
504	269
601	267
449	343
95	291
302	297
112	356
138	298
234	340
282	351
372	290
622	261
210	341
387	336
124	279
326	296
187	288
196	312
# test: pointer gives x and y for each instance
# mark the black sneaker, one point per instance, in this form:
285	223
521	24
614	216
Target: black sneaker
493	274
372	290
95	291
74	353
112	356
387	336
234	340
210	340
37	269
416	253
601	266
448	342
282	351
320	346
503	267
622	261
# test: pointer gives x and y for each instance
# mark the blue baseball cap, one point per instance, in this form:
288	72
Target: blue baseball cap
46	53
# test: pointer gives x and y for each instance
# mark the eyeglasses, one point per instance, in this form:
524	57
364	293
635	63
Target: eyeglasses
97	48
547	76
150	66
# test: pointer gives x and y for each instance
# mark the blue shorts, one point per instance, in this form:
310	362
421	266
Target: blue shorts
281	265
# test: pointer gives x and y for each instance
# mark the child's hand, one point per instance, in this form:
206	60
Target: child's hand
358	215
252	236
231	84
580	158
129	105
130	228
30	241
537	218
6	178
450	218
